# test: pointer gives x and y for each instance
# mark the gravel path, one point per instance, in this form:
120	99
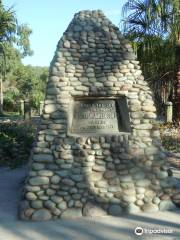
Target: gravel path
104	228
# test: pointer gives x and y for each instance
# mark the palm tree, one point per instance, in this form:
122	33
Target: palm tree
152	23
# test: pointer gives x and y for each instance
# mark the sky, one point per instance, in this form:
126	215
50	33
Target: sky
48	19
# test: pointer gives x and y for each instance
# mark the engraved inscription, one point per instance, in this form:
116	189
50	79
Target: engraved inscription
94	116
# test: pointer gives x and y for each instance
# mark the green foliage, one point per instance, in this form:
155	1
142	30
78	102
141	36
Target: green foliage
7	24
25	82
157	62
14	44
23	43
12	33
170	136
7	32
159	18
154	28
31	82
9	99
15	143
171	144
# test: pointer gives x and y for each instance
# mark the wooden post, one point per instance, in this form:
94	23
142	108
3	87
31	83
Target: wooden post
27	110
41	107
21	107
169	112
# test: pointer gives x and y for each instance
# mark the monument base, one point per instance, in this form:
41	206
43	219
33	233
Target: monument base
98	149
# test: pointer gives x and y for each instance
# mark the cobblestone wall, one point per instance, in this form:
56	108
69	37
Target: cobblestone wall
74	176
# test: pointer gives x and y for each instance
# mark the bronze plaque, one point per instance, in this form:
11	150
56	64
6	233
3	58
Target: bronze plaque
94	116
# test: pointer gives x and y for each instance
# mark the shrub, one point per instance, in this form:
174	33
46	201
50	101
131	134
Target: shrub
170	136
15	143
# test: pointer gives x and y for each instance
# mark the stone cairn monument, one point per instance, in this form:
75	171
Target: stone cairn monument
98	149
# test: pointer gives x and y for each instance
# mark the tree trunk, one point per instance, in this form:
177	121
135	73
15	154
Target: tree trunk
177	85
1	96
